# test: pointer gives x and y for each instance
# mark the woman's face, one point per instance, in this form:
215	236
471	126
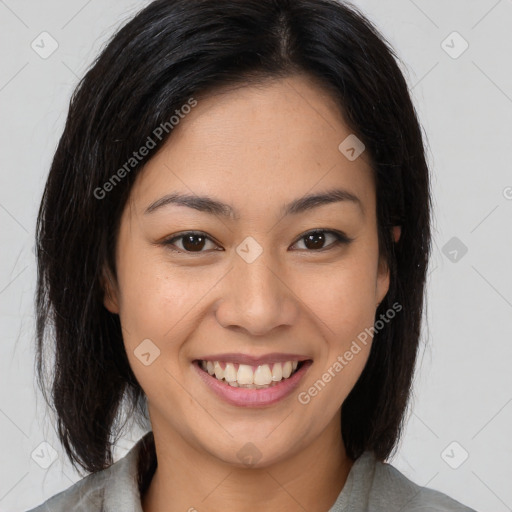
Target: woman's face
253	290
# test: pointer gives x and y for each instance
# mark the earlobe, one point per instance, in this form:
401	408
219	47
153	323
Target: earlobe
397	231
109	293
382	280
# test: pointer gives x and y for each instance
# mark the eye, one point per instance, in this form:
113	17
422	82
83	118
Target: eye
315	239
194	242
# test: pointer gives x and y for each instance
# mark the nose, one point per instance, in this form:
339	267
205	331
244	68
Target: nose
257	297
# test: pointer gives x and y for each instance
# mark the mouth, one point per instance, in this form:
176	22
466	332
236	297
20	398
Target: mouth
248	382
250	376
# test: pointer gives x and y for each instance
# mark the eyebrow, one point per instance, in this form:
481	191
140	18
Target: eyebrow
219	209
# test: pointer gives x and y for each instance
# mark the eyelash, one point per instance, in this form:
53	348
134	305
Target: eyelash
341	239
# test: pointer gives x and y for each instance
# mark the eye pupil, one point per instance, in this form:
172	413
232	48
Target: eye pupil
188	239
318	243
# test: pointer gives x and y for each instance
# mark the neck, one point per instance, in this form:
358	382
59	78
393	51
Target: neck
187	480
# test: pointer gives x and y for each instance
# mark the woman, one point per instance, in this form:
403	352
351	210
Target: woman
233	242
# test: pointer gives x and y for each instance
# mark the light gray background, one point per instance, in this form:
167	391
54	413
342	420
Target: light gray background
463	389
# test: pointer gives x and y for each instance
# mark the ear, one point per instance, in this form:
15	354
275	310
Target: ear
110	292
383	271
382	280
397	231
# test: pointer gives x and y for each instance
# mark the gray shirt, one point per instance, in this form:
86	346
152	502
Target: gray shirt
371	486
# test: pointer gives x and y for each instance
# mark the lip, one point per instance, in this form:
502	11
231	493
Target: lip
243	397
276	357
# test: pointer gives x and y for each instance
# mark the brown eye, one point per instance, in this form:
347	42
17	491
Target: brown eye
191	242
315	240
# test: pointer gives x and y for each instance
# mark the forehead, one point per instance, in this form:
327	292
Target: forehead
256	145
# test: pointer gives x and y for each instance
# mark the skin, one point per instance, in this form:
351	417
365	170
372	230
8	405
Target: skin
293	298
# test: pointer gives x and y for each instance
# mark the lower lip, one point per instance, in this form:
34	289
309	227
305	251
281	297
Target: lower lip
244	397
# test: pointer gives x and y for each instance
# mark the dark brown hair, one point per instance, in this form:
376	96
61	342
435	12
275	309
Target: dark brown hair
169	52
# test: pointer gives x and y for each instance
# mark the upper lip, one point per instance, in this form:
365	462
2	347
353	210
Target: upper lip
274	357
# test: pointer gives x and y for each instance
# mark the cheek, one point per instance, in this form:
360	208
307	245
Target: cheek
152	307
342	297
152	300
161	301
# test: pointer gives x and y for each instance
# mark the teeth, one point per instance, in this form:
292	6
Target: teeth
264	376
287	369
219	372
277	372
230	373
245	375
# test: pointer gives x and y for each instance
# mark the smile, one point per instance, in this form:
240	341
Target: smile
244	381
248	376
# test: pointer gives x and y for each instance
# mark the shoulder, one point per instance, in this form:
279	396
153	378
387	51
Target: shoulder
85	495
114	486
388	489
